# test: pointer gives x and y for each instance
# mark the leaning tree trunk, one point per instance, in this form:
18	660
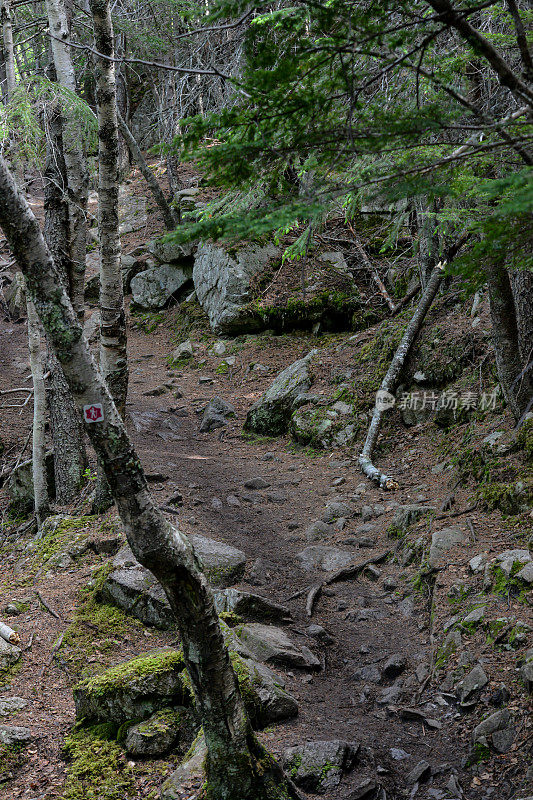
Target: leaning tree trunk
65	423
506	338
78	182
238	768
170	216
40	485
385	395
113	355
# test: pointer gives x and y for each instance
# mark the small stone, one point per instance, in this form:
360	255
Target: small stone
477	563
257	483
335	510
219	348
368	673
338	481
183	351
469	689
205	380
273	646
367	542
320	634
319	530
444	540
319	766
475	616
526	573
398	754
421	772
364	790
390	583
394	666
233	500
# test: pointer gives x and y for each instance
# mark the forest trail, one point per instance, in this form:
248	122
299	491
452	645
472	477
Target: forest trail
357	696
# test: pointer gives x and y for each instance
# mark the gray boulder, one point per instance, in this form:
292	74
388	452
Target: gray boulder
135	590
498	728
153	288
159	733
9	654
171	252
444	540
526	670
14	736
319	766
222	564
337	510
263	691
324	557
272	646
134	689
271	414
19	485
469	689
250	606
192	768
216	414
10	705
404	516
222	284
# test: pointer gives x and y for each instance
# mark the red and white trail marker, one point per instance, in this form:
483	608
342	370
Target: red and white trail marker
94	413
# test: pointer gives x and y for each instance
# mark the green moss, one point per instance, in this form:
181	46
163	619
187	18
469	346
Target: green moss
478	754
525	439
151	664
503	584
98	769
146	321
509	498
58	538
395	532
11	760
160	722
96	628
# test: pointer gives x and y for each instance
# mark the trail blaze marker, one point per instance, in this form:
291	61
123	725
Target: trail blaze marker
94	413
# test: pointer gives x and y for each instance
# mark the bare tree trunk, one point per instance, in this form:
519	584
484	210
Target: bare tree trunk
238	768
40	485
505	334
65	423
385	397
113	354
78	182
170	217
7	33
428	240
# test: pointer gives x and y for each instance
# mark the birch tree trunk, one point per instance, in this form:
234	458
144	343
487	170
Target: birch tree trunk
238	768
65	423
9	54
40	485
78	182
113	354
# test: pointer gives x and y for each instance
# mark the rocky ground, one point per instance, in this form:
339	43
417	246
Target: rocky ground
410	668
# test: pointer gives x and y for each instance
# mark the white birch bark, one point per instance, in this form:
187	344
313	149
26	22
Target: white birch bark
113	354
74	156
40	484
9	53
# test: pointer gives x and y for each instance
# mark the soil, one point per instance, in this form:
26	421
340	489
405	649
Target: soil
367	621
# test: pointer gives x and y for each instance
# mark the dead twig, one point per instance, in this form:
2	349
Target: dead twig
47	606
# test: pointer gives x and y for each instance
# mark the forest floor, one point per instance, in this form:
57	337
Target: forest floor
350	698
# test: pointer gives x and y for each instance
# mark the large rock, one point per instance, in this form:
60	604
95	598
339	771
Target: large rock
20	485
159	733
134	690
153	288
14	736
263	692
221	563
222	282
9	654
171	252
271	414
470	688
135	590
319	766
442	541
324	557
191	768
250	606
273	646
498	728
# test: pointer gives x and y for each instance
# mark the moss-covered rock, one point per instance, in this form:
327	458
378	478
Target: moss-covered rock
160	733
323	427
270	415
135	689
319	766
